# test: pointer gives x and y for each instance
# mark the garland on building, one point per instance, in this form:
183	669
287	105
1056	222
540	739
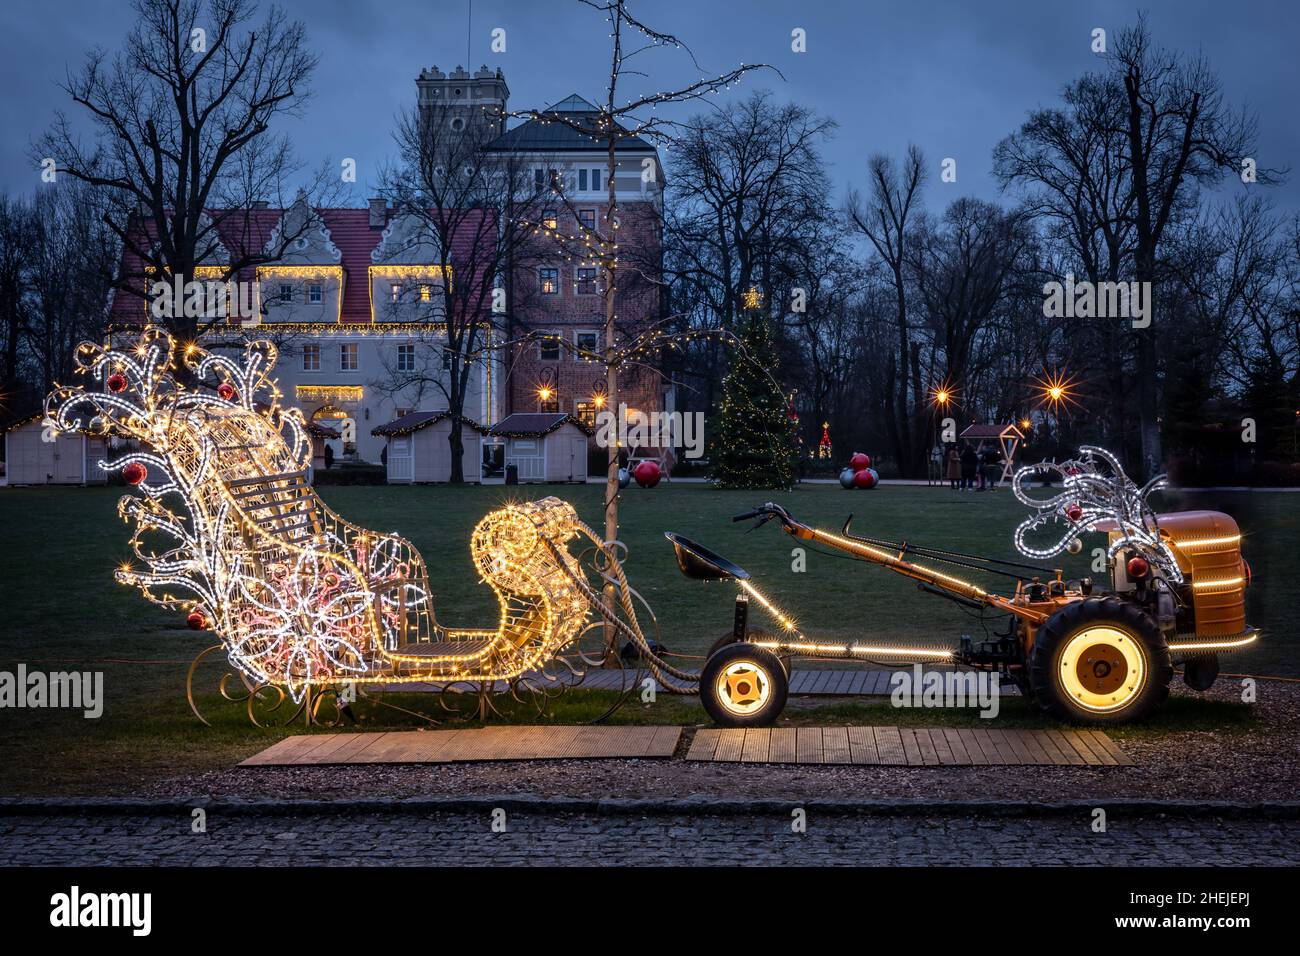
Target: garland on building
755	440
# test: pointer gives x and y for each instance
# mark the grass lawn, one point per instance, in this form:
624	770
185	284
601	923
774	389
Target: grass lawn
62	610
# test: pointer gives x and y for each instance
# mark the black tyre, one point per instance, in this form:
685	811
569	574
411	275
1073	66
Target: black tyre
1100	661
1200	673
743	686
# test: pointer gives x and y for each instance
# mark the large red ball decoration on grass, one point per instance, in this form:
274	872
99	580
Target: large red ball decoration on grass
117	382
866	478
859	461
134	473
647	474
196	621
226	391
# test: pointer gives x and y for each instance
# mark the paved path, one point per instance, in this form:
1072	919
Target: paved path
538	836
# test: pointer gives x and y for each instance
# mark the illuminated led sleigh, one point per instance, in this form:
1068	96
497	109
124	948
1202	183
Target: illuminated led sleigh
229	530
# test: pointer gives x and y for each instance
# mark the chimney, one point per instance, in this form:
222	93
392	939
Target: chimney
378	213
260	204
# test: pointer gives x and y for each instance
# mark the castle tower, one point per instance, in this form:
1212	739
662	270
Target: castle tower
474	104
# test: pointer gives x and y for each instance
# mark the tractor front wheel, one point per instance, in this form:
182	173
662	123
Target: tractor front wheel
1100	661
743	686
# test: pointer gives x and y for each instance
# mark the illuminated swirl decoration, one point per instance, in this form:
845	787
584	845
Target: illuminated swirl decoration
228	529
1095	495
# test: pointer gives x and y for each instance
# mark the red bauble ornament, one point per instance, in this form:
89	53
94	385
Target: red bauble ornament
865	478
196	621
647	474
859	461
1138	566
134	473
226	391
1074	512
116	382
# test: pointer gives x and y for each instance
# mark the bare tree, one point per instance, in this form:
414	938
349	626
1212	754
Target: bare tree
183	149
17	235
749	208
887	220
617	119
1179	133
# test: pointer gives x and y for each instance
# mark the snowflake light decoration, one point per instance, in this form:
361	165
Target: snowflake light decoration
1095	494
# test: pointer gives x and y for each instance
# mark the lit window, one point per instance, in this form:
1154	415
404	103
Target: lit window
348	357
397	291
587	217
426	293
550	280
585	281
311	358
406	358
314	293
585	412
588	343
549	219
548	349
286	292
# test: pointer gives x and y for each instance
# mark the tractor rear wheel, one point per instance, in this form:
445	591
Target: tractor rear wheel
743	686
1100	661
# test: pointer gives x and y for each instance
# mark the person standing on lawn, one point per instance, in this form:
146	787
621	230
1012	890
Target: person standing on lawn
969	463
954	468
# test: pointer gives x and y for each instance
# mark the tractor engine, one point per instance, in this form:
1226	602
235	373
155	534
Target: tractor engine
1210	603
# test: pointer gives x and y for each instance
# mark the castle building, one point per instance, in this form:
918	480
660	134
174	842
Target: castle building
355	301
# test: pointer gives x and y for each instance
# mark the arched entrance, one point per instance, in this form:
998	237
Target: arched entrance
345	445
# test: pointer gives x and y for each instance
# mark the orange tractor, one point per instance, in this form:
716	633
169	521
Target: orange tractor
1084	651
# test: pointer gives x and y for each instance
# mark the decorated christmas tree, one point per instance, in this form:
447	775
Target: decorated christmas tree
755	442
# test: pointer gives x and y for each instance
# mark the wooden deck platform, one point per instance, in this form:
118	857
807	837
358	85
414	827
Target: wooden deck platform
889	746
907	746
485	743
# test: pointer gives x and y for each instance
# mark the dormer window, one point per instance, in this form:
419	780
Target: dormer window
286	292
426	293
397	292
314	293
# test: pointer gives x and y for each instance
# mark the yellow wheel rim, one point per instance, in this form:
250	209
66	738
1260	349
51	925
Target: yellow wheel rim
743	687
1102	669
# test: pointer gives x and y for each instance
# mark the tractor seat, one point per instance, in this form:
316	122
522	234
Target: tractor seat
698	562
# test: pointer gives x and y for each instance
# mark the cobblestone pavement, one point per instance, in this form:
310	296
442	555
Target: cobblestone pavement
541	837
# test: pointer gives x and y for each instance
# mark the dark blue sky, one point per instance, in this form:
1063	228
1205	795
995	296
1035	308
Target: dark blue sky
952	76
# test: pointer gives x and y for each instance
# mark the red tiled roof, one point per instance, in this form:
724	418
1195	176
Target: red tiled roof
349	230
